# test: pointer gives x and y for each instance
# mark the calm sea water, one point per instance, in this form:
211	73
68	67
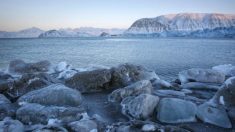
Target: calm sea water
166	56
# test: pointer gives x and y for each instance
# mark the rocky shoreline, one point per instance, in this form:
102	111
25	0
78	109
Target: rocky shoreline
42	97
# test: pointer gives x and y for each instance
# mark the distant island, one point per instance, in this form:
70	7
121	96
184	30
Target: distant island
199	25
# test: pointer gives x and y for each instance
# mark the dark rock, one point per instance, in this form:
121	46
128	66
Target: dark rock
201	75
126	74
90	81
19	66
140	107
7	109
213	115
9	125
56	94
35	113
134	89
83	126
231	113
173	110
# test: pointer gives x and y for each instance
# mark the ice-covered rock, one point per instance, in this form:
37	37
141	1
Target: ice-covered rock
160	84
200	86
7	109
227	92
36	113
29	82
126	74
201	75
213	115
83	126
90	81
140	107
227	69
20	67
173	110
134	89
55	94
10	125
169	93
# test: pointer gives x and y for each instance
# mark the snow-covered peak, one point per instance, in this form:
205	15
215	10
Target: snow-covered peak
182	22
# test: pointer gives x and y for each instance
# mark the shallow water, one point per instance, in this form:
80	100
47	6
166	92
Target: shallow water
166	56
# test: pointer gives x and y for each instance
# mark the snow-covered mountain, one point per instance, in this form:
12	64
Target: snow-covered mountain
99	31
185	23
26	33
63	33
80	32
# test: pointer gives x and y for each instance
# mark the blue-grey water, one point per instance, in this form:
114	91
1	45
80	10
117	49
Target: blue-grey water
166	56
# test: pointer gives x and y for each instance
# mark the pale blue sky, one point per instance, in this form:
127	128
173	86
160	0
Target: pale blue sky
54	14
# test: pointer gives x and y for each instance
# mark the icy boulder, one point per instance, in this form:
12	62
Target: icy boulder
126	74
56	94
227	69
83	126
20	67
140	107
134	89
173	110
10	125
200	86
213	115
29	82
226	95
36	113
201	75
6	107
90	81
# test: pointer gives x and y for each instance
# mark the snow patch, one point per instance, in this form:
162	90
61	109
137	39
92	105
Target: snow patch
221	100
32	80
94	130
22	103
148	127
229	81
53	121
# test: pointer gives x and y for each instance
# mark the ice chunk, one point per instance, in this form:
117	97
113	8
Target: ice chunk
62	66
227	69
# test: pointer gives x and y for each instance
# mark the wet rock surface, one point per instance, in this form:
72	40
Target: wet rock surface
42	97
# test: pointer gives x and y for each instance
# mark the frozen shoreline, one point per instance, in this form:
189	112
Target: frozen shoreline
126	97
